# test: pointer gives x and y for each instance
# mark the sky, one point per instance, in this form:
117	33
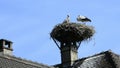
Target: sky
28	23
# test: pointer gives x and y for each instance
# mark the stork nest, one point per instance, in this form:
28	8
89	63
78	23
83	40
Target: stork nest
72	32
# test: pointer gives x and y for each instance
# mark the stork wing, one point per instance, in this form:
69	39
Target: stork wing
83	19
86	20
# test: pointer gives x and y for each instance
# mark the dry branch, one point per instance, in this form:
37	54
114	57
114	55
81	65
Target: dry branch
72	32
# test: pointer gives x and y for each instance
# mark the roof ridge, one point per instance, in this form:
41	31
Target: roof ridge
108	54
103	52
25	61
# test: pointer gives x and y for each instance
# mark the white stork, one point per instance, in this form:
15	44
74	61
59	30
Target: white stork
83	19
67	20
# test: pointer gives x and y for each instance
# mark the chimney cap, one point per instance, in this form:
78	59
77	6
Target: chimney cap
6	40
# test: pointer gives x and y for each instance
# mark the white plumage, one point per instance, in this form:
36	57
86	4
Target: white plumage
83	19
67	20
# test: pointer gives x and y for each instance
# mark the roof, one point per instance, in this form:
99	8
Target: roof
7	61
105	59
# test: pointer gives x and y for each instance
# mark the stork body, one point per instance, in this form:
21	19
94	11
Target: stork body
67	20
83	19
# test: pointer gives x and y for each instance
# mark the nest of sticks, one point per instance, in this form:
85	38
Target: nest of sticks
72	32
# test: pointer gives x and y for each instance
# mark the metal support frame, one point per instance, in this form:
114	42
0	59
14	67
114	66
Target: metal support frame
78	44
56	43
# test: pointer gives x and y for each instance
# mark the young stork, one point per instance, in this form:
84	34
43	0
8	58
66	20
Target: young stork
67	20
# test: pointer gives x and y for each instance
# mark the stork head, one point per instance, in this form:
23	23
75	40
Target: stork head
68	16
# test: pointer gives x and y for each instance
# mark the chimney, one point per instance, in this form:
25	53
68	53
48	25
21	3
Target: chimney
68	37
68	54
5	47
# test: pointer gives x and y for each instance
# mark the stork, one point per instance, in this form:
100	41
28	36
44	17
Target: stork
67	20
83	19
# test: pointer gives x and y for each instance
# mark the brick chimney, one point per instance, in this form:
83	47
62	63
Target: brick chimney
5	47
69	53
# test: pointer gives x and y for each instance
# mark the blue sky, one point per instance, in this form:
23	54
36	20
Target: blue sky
28	24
